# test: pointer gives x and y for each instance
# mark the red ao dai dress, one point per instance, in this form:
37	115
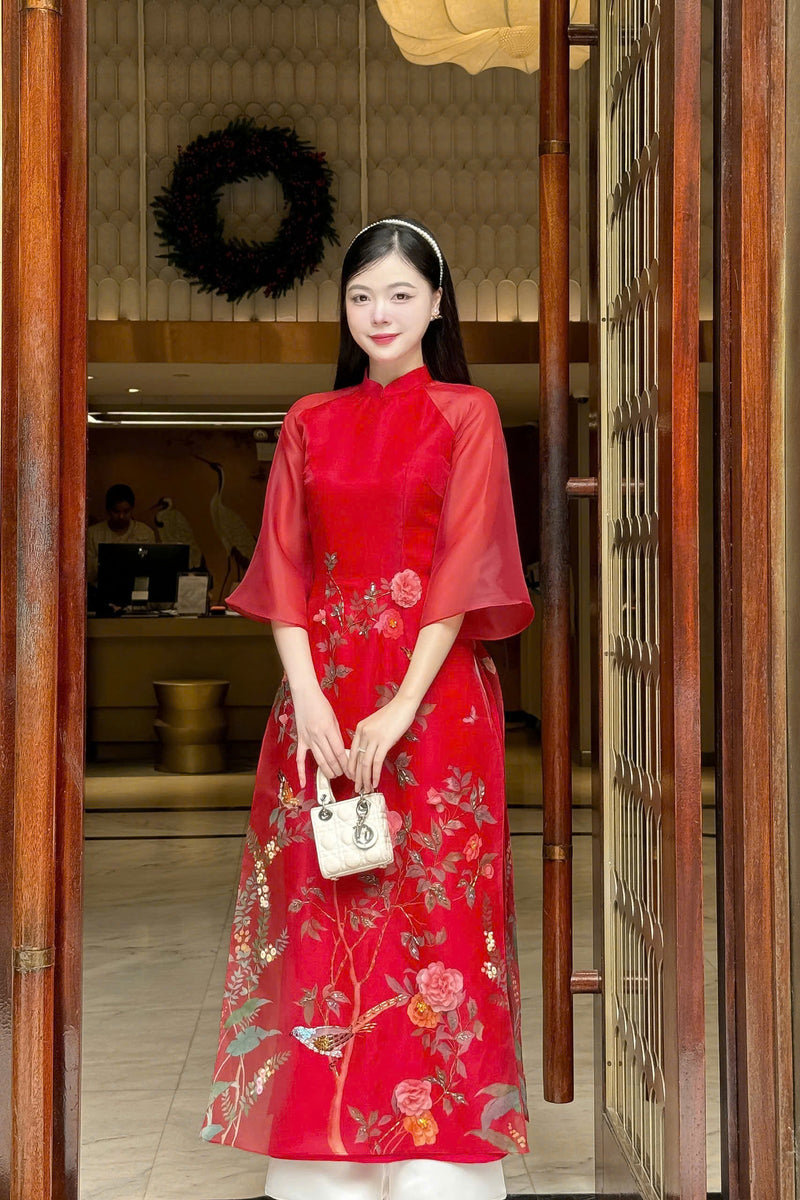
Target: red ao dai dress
377	1018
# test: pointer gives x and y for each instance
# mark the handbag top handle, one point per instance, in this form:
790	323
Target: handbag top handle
324	791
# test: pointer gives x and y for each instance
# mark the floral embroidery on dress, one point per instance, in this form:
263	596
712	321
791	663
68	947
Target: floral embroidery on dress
240	1083
390	623
413	1096
441	989
493	965
460	790
405	588
446	1020
434	997
283	711
361	613
438	991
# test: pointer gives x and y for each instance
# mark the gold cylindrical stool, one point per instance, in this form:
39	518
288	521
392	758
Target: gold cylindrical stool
191	725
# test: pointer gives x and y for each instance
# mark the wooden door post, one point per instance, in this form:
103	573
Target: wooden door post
754	979
42	607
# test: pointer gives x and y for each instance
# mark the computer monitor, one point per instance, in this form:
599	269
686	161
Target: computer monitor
141	574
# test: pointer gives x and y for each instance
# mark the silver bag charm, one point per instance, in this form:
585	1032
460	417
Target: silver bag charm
351	835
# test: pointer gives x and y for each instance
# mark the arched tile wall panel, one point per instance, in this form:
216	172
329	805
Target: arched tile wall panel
454	150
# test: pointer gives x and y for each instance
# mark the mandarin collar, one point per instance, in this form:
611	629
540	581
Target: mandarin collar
418	377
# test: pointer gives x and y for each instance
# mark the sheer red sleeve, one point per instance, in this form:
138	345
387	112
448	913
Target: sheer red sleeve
476	567
277	582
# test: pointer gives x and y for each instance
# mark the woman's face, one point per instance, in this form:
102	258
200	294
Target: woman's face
389	306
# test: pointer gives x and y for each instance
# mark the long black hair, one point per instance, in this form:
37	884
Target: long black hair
442	347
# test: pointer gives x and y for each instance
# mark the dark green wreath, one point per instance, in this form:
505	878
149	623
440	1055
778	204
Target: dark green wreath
190	225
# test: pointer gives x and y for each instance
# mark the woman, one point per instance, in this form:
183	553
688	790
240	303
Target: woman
370	1031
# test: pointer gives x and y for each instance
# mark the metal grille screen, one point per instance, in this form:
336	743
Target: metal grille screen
632	751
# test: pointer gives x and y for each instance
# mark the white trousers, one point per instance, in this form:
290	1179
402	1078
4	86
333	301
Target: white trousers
411	1179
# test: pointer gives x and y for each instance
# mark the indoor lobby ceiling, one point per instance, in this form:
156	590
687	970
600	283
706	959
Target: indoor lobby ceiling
266	390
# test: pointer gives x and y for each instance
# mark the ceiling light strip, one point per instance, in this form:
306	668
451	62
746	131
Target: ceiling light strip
173	423
263	418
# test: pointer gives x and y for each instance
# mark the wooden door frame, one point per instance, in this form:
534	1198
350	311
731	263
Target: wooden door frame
751	750
792	480
42	474
42	592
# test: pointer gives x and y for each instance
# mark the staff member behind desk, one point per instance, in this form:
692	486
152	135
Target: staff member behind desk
118	527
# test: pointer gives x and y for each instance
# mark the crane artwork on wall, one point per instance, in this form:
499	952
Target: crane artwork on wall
231	530
172	528
201	488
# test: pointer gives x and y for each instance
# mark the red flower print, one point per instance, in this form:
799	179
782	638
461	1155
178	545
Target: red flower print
395	824
443	989
473	847
406	588
421	1013
319	615
413	1097
436	799
390	623
423	1128
487	870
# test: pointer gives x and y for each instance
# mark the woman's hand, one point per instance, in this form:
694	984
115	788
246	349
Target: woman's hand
318	731
376	734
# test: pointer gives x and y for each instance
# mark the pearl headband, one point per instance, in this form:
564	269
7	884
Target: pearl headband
409	225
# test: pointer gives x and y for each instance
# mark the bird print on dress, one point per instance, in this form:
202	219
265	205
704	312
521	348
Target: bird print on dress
329	1039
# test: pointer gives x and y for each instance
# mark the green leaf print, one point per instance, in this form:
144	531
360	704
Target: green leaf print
210	1131
506	1100
501	1140
217	1089
240	1016
248	1039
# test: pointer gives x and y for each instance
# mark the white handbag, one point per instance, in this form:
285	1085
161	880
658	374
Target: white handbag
351	835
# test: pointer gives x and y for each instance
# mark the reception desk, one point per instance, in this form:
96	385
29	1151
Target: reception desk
125	655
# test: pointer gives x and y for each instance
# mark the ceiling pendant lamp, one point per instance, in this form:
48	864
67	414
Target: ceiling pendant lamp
475	34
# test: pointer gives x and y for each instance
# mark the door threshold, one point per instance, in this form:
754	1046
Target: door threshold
567	1196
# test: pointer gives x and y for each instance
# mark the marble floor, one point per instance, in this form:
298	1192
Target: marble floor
162	859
